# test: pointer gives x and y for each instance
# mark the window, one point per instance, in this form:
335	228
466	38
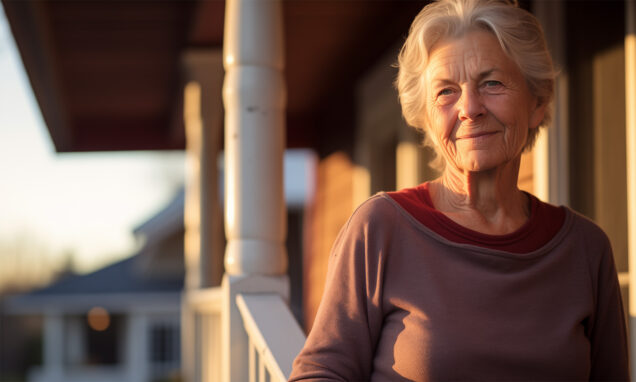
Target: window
103	343
165	349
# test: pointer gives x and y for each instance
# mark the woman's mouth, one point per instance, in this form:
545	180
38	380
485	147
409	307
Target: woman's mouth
475	135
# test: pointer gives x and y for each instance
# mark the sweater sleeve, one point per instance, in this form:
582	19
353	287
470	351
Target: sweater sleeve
608	338
343	338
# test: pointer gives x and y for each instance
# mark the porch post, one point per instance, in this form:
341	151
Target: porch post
551	151
255	218
630	99
203	240
53	346
202	214
137	356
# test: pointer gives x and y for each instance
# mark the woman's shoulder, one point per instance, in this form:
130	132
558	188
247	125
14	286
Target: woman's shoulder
376	215
584	227
404	202
570	222
374	208
586	237
371	226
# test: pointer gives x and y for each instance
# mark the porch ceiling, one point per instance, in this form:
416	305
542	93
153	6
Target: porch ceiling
106	74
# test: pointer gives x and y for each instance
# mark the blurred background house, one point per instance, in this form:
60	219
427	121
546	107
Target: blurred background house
111	76
120	322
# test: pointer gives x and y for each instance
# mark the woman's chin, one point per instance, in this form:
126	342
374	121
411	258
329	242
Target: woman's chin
480	163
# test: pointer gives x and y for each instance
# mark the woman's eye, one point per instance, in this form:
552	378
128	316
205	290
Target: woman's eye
445	92
492	84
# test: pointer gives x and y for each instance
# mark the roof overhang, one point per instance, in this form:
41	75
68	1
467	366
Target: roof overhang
108	75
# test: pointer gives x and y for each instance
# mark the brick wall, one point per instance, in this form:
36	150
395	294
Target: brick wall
332	207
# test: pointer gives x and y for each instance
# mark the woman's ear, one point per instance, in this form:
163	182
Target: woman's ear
537	114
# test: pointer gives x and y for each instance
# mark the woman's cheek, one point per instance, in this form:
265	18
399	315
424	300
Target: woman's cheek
438	124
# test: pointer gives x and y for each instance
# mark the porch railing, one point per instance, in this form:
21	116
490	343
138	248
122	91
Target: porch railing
274	336
201	331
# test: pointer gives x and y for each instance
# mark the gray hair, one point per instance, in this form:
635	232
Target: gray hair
518	31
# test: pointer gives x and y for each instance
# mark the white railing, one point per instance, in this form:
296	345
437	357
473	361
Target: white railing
274	336
201	333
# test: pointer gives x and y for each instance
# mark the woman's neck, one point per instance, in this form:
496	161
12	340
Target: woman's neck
487	201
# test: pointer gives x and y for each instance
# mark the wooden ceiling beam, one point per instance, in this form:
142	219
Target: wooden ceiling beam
33	34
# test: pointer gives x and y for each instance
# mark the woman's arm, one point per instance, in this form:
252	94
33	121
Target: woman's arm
342	341
608	337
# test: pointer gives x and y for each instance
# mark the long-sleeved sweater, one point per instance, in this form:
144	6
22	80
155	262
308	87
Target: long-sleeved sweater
403	303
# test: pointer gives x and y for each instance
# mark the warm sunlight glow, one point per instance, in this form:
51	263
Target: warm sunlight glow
541	167
192	101
361	184
98	319
526	172
406	165
192	212
630	99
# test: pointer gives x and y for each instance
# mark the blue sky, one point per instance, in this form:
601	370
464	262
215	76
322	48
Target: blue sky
86	204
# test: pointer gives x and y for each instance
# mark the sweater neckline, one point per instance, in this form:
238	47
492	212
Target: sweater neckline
542	226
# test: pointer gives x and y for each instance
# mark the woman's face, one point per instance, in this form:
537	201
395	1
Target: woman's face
478	105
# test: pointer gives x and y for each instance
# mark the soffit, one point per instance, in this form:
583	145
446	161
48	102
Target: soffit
107	74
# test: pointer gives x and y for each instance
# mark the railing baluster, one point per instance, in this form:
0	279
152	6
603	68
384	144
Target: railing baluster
214	363
252	361
273	333
206	305
204	348
206	351
198	345
261	370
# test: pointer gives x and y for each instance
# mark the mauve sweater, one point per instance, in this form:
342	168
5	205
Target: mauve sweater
403	303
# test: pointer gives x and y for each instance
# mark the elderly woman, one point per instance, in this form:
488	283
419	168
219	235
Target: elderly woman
467	277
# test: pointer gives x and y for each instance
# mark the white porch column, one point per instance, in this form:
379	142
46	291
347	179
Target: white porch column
53	347
254	98
255	219
203	119
203	111
630	98
137	357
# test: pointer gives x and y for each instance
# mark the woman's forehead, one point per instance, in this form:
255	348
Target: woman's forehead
473	54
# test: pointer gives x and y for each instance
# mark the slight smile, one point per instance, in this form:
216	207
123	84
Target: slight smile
478	135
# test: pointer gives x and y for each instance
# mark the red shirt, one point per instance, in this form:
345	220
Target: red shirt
544	222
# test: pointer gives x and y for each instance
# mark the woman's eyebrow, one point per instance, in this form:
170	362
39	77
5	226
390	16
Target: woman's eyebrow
480	76
442	82
486	73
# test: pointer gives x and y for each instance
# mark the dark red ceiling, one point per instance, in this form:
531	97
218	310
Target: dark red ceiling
107	73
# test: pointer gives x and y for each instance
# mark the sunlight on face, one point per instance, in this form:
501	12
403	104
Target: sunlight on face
478	105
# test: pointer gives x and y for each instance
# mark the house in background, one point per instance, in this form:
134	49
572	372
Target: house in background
254	77
121	322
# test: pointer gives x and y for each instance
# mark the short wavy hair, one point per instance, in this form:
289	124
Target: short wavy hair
518	32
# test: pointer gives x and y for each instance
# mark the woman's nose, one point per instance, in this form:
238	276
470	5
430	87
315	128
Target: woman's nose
470	105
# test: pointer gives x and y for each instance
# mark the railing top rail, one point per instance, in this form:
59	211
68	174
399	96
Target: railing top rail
273	330
208	300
